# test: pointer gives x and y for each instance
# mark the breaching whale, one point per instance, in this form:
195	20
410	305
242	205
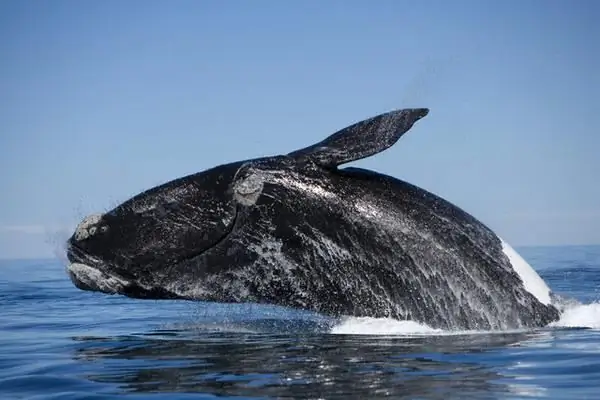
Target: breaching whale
298	231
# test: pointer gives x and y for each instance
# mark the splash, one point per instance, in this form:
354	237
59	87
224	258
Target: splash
577	315
56	240
392	327
573	315
381	326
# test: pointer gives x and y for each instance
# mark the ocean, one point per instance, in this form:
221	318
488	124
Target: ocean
58	342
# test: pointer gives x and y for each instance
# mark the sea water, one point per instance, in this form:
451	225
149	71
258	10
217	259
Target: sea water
57	342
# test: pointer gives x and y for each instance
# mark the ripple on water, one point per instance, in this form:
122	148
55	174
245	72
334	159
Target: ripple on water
58	342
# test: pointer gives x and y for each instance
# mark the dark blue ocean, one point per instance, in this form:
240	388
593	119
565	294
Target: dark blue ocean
57	342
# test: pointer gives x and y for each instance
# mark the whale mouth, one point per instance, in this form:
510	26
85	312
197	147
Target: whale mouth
92	274
93	279
87	277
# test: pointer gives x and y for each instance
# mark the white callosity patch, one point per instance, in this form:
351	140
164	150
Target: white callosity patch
248	190
532	282
87	227
95	278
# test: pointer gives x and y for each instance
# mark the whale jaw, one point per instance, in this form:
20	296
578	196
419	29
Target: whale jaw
89	278
86	277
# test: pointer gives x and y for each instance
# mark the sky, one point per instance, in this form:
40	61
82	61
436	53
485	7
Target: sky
101	100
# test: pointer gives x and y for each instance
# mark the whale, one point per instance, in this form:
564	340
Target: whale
303	231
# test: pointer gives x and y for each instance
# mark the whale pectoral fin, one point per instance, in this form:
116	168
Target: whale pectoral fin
362	139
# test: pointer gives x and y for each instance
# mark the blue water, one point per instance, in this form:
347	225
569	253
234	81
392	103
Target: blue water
61	343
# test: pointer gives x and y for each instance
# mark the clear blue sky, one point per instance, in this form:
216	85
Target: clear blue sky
100	100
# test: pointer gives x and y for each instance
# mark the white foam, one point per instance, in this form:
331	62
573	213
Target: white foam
532	282
580	316
392	327
574	315
380	326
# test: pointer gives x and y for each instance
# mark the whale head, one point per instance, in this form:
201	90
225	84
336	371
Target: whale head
132	248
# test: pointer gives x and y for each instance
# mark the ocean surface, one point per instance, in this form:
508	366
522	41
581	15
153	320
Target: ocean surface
57	342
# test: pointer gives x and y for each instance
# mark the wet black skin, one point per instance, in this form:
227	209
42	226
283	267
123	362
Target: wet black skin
160	227
298	231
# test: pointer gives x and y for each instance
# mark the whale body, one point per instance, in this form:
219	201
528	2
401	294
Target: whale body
299	231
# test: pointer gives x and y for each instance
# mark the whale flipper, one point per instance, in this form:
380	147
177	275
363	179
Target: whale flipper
362	139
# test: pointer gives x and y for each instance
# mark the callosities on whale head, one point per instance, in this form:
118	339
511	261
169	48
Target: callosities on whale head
133	248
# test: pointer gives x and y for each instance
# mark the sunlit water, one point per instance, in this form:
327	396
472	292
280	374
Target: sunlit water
59	342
